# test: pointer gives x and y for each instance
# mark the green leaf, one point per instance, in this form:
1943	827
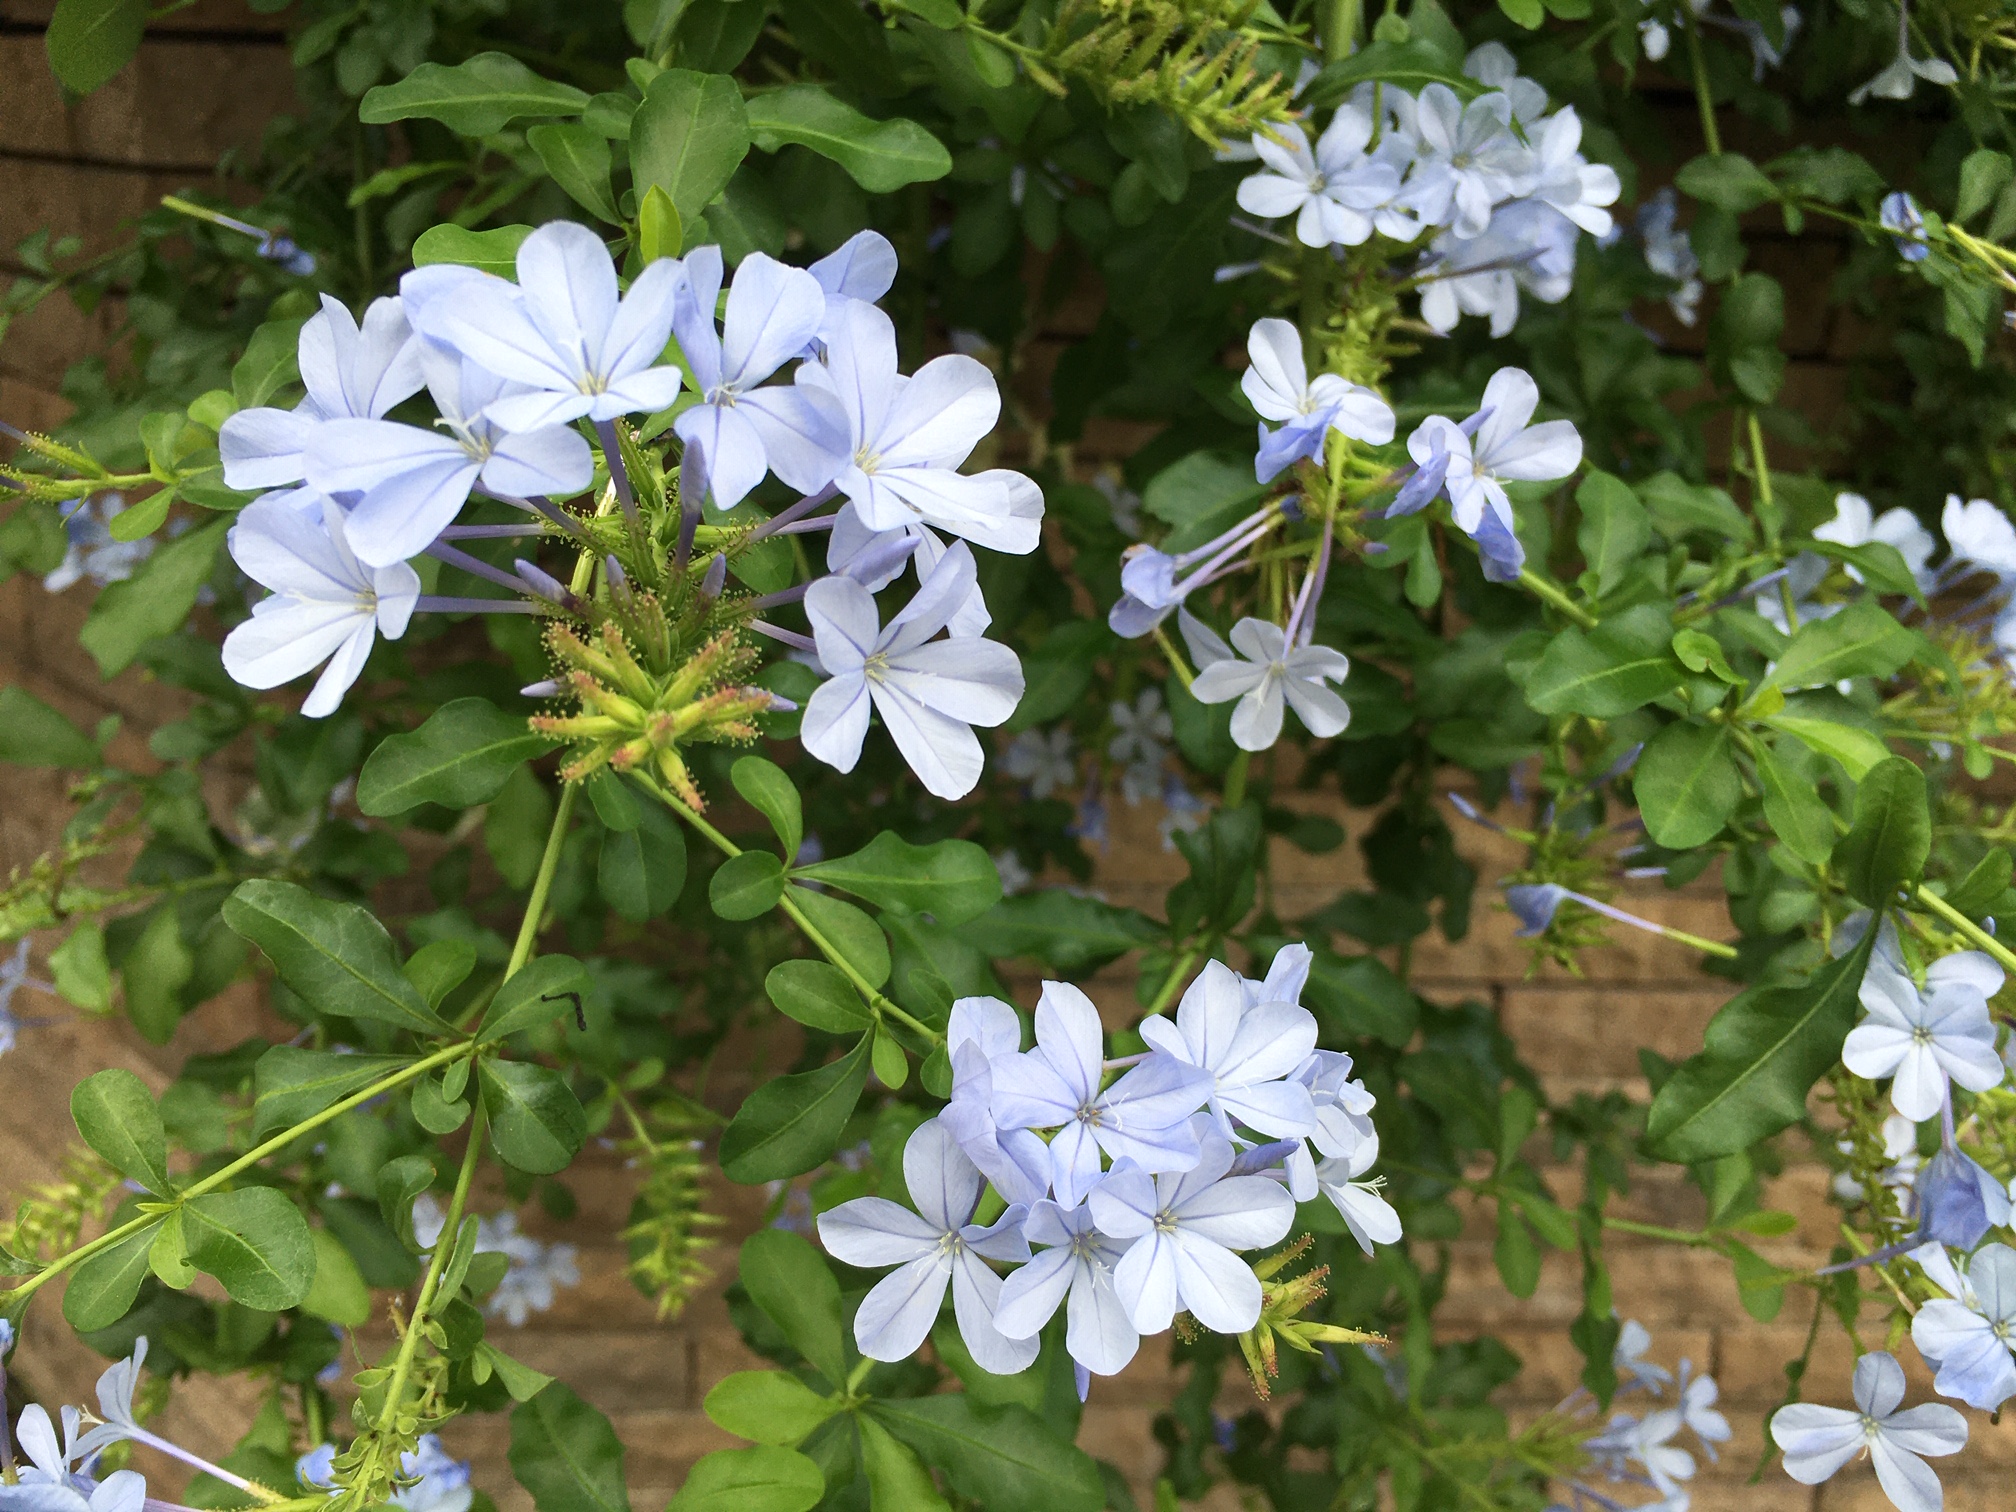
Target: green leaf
1195	491
520	1380
1413	63
102	1289
338	1293
1794	810
895	1476
855	936
474	98
953	881
1358	998
292	1083
270	363
746	886
156	969
578	160
1615	529
493	251
439	967
881	156
1003	1457
168	1255
153	602
1763	1051
399	1182
1881	565
144	518
255	1241
80	971
115	1113
1727	179
1621	665
536	1122
89	41
1687	784
460	757
1856	749
789	1279
1073	934
1515	1254
769	791
788	1125
1678	509
659	232
1984	174
768	1407
763	1479
642	869
33	734
1886	845
1982	888
688	138
566	1455
818	995
891	1065
335	955
539	992
1861	641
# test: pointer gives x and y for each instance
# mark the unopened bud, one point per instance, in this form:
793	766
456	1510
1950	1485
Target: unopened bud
540	581
547	689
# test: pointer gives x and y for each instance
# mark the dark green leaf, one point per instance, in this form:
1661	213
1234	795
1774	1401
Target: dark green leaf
33	734
1359	997
335	955
1861	641
746	886
1728	180
953	880
338	1293
642	869
819	995
153	602
1981	889
115	1113
255	1241
1002	1456
270	363
1886	846
566	1455
857	938
688	138
1679	509
578	160
1515	1254
1793	807
1687	784
102	1288
769	791
788	1125
1763	1051
881	156
763	1479
460	757
536	1122
789	1279
1621	665
439	967
538	993
1071	933
1614	531
91	40
399	1182
475	97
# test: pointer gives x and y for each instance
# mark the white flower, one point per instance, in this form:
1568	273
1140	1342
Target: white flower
929	693
774	312
51	1461
1278	386
1670	254
1492	65
1817	1441
406	483
1043	759
1505	449
121	1491
1563	178
1369	1216
1144	729
1263	674
1653	39
896	443
1529	245
1186	1227
876	558
1098	1333
325	605
1628	1358
443	1481
351	372
1144	1116
1470	160
935	1246
1698	1395
1967	1339
1330	192
1923	1038
1980	533
1900	78
862	268
581	350
980	1032
1248	1052
1855	523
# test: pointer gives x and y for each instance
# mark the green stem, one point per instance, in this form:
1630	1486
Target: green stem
811	931
1700	1239
409	1342
1982	940
250	1158
1710	133
542	884
1175	658
1174	980
1553	593
1235	779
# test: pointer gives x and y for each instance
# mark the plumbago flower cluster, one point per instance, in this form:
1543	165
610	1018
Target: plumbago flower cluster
550	532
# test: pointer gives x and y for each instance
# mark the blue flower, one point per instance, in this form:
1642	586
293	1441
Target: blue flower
1901	218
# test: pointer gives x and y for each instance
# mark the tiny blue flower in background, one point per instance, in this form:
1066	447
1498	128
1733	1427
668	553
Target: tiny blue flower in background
1900	217
13	977
91	551
1958	1202
1043	759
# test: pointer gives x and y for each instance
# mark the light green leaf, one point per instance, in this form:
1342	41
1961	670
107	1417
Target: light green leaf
895	1476
688	138
766	788
790	1124
335	955
460	757
115	1113
953	880
857	938
475	98
102	1289
566	1455
494	251
1687	784
768	1407
338	1293
818	995
33	734
881	156
789	1279
1861	641
1792	807
255	1241
80	970
763	1479
1856	749
539	992
746	886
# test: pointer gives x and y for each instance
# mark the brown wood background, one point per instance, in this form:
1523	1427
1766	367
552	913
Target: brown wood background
208	79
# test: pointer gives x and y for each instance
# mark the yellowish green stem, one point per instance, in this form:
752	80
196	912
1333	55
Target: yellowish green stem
1982	940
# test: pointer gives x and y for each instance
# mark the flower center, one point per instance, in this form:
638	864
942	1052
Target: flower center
1165	1221
876	667
867	460
1920	1035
